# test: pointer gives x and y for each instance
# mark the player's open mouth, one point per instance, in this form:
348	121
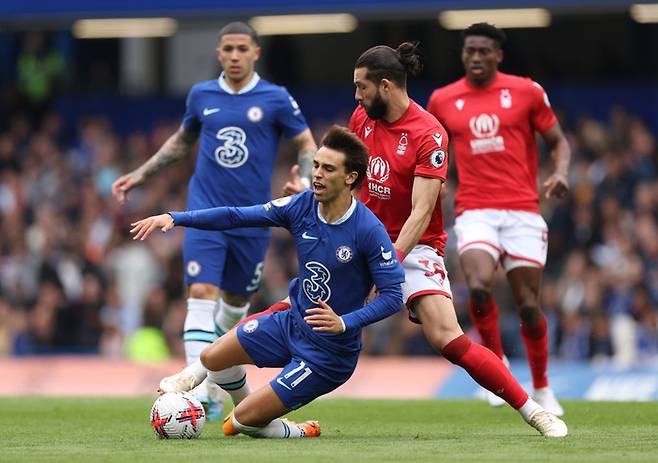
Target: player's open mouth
318	187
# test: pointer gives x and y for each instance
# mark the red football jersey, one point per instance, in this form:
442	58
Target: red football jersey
492	130
414	145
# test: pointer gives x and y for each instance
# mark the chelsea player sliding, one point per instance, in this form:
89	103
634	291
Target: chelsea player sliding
343	250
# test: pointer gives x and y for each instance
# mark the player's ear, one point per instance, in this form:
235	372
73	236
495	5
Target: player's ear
351	178
499	55
257	53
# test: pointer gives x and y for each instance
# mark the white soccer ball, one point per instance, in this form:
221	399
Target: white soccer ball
177	415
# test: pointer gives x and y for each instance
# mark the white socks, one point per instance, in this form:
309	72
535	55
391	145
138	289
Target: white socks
199	330
228	315
276	429
205	319
529	408
233	380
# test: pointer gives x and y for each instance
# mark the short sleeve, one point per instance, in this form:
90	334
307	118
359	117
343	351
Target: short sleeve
542	116
432	154
191	122
289	116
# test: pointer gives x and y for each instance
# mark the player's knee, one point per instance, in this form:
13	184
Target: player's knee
207	358
479	292
440	335
203	291
530	313
235	300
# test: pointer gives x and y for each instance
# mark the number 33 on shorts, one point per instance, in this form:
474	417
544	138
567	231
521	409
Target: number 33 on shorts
433	268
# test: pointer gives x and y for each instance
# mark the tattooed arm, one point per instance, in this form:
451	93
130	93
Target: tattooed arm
176	147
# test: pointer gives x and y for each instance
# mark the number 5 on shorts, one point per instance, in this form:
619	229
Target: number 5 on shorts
258	275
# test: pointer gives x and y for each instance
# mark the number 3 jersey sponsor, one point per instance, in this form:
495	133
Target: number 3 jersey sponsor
239	135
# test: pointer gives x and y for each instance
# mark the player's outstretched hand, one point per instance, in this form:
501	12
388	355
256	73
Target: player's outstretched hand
295	184
556	186
324	319
143	228
124	184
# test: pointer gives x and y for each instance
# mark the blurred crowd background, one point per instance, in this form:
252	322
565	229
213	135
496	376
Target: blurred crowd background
72	280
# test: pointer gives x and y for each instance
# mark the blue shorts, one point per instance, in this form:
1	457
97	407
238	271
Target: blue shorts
233	263
309	370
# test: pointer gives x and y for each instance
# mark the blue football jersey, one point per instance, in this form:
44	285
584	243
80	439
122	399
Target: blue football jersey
339	262
239	137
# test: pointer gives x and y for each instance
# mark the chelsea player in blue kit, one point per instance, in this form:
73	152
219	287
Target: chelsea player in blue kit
238	120
343	250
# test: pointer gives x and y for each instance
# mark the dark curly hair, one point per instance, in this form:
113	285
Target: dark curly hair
485	30
383	62
341	139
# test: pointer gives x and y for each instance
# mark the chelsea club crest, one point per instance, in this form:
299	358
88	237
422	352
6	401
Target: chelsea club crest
344	254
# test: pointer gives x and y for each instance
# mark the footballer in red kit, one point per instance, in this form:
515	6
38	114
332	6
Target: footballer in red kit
492	118
493	135
407	168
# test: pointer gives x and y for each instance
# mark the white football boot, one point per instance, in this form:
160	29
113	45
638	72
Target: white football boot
183	381
547	424
546	398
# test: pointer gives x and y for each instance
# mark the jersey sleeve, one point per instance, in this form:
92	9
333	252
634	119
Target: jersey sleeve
276	213
191	121
432	154
542	116
388	276
289	115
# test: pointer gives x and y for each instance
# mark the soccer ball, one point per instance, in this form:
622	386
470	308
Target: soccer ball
177	415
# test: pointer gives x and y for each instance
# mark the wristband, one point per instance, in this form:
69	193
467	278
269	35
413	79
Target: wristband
400	255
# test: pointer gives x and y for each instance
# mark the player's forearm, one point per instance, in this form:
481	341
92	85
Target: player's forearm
305	163
561	155
175	148
386	304
412	230
223	218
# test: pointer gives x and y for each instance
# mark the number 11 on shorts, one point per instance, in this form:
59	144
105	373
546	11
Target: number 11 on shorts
305	374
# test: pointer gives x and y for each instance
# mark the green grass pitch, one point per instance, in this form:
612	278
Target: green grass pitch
117	430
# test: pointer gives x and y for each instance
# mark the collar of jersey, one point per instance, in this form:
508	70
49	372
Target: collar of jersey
486	87
345	216
401	118
224	86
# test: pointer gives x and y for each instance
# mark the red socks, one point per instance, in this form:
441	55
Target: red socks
485	368
535	339
485	319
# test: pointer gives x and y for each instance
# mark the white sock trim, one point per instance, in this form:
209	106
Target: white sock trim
528	408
